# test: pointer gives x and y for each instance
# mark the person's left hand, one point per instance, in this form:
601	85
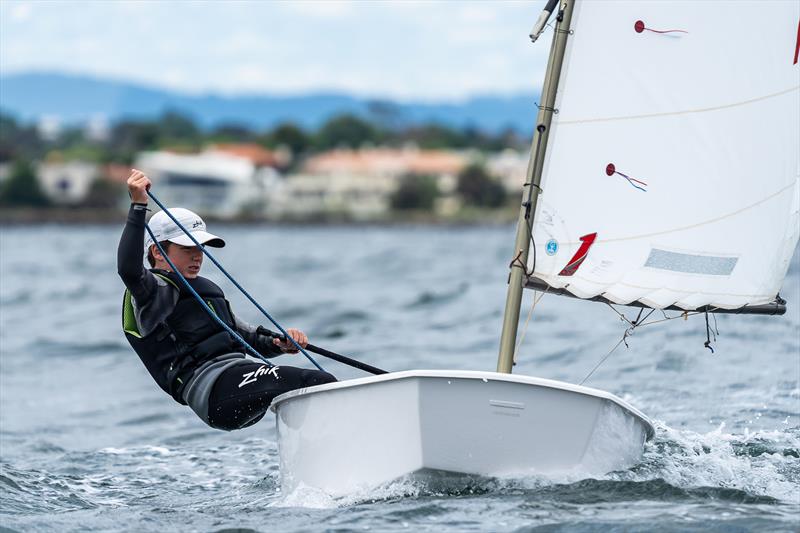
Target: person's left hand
287	346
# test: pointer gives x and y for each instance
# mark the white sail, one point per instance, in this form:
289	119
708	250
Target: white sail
676	142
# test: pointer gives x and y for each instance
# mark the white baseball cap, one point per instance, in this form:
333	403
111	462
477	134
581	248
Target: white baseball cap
165	229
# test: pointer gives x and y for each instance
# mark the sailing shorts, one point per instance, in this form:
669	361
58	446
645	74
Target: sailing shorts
243	392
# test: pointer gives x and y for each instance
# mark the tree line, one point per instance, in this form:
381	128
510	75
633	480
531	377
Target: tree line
177	131
22	143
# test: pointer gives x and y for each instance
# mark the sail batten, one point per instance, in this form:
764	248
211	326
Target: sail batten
679	154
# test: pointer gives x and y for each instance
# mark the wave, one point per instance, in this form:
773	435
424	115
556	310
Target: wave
53	348
35	491
430	298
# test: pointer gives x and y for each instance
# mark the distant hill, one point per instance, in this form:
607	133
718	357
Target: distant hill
75	99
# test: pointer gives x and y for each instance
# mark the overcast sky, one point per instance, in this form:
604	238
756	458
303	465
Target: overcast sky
402	50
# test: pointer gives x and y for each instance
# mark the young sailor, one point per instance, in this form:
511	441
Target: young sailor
189	355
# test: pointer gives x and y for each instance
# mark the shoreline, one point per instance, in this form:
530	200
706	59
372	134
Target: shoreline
11	217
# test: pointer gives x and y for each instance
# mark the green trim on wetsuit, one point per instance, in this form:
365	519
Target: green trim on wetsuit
129	315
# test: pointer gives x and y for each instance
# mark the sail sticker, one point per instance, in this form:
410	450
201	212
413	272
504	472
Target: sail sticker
551	247
691	263
580	255
611	170
797	46
639	27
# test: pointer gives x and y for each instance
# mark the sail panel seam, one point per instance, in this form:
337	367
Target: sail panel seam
675	113
691	226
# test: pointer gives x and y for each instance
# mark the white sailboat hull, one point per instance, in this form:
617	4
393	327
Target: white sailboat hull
353	435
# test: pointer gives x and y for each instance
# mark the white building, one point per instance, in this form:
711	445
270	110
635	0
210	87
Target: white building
5	172
49	127
359	183
510	167
67	183
97	128
211	182
360	196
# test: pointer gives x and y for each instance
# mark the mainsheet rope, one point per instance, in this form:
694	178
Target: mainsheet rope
208	310
236	283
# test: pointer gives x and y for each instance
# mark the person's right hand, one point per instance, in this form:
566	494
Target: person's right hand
138	185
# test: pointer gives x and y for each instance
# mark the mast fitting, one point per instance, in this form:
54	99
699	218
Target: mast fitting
538	27
545	108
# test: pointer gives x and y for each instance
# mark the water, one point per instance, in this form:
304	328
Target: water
88	442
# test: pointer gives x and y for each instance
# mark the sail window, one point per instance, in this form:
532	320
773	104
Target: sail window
691	263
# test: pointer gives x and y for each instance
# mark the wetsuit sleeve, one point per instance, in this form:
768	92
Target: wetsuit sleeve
262	343
130	268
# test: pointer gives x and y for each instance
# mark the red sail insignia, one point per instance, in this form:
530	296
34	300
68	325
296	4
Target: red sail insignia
580	255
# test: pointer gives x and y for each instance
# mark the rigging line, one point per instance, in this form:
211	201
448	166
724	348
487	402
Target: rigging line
623	317
676	113
205	306
698	224
628	331
709	332
666	318
684	315
517	261
637	323
642	321
536	300
603	360
236	283
528	204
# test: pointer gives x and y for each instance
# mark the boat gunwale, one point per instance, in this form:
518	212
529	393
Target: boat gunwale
468	374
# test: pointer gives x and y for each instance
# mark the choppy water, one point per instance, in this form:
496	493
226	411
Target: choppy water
88	442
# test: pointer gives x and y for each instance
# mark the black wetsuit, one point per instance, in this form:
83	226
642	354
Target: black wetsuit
204	367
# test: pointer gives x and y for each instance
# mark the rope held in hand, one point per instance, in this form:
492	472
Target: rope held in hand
207	309
225	272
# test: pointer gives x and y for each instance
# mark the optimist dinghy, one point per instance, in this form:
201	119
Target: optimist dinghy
357	434
664	174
